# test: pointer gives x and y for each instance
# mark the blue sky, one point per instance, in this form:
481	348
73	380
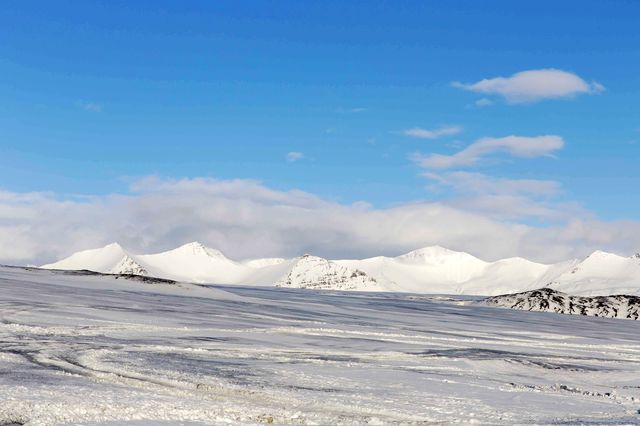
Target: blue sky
97	95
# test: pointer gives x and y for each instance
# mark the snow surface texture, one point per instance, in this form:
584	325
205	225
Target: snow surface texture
548	300
431	270
81	348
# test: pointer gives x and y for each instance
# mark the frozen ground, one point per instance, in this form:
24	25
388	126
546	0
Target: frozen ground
92	349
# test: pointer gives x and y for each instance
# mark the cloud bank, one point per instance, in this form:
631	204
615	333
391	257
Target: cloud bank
533	86
247	219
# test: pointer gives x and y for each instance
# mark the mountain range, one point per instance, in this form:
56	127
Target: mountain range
434	270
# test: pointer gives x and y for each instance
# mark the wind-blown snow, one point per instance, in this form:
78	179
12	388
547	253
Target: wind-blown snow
83	349
431	270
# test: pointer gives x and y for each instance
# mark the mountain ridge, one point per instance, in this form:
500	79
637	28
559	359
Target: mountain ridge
433	269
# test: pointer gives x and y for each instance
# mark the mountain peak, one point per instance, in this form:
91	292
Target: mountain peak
435	254
128	265
194	245
197	248
599	254
430	251
101	259
113	246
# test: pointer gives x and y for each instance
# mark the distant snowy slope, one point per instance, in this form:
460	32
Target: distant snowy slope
601	274
439	270
434	268
194	262
110	259
261	263
549	300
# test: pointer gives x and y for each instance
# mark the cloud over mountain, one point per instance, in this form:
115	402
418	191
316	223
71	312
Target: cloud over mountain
245	219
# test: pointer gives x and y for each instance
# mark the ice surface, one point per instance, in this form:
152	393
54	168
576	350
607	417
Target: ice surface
89	349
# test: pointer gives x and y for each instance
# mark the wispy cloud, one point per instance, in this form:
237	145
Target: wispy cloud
517	146
418	132
534	85
502	198
482	102
354	110
90	106
478	183
294	156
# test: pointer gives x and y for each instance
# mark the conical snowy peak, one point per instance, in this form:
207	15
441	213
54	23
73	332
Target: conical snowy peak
193	262
196	248
128	265
318	273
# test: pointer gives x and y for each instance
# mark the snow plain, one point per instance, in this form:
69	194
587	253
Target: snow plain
90	349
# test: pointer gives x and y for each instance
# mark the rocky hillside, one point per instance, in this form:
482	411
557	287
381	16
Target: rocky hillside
318	273
549	300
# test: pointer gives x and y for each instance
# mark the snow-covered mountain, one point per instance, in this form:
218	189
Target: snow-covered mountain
427	270
193	262
549	300
600	274
318	273
110	259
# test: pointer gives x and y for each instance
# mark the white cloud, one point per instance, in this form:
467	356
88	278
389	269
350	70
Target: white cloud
503	198
482	102
534	85
247	219
90	106
471	182
294	156
517	146
418	132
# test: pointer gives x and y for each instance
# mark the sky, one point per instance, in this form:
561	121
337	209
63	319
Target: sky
344	128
